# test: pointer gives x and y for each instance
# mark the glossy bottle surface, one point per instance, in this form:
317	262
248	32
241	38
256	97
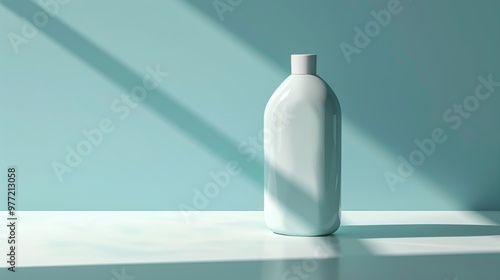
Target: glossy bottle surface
302	152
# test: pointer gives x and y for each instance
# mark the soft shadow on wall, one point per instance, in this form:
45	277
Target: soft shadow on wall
390	74
412	79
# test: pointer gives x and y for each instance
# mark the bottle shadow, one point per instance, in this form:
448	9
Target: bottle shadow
350	257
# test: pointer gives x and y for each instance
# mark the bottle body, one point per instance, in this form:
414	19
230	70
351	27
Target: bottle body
302	153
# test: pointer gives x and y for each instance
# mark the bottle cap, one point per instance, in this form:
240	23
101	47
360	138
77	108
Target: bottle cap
304	64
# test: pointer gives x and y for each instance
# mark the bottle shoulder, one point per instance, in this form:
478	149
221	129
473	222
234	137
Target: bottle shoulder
298	90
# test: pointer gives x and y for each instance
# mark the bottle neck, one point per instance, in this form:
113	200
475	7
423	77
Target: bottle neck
303	64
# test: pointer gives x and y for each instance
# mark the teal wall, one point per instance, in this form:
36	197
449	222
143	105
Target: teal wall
224	59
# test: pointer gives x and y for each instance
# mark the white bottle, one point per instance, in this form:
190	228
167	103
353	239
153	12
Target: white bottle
302	126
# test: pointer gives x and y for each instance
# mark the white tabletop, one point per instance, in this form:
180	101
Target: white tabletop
393	245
